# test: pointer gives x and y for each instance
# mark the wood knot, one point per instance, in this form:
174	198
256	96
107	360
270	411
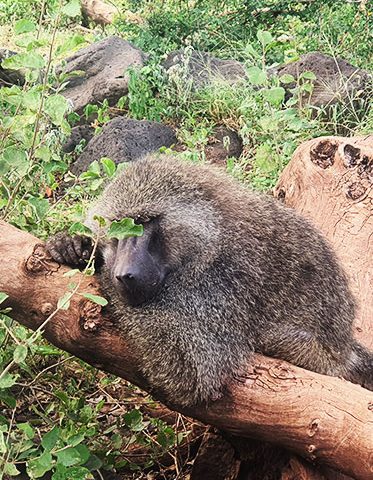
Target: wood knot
40	261
283	372
351	155
311	449
90	316
355	190
323	154
47	309
313	427
281	194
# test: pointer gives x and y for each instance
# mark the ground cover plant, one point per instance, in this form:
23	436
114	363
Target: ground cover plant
57	414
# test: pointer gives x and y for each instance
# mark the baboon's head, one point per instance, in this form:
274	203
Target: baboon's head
181	226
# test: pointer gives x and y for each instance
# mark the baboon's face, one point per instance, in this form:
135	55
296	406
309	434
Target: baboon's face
138	265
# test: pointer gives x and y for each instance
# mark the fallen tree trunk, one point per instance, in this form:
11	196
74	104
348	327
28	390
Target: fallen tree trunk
322	418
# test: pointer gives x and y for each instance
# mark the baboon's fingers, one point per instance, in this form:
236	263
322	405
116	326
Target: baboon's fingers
63	249
54	252
87	247
70	254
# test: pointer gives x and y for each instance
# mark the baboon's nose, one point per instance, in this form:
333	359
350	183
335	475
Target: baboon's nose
127	279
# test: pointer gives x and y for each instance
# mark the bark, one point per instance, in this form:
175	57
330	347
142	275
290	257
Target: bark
321	418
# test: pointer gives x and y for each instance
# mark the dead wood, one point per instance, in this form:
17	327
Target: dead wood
98	11
323	419
330	181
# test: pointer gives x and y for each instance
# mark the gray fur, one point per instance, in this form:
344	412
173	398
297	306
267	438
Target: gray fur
248	275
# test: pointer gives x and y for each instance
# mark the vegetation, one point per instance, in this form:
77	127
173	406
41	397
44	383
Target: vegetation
57	414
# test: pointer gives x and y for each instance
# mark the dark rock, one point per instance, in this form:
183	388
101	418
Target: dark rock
9	77
202	68
104	65
78	133
125	140
337	81
224	143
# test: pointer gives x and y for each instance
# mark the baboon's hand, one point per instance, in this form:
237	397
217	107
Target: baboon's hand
67	250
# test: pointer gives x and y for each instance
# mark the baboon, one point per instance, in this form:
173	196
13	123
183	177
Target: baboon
219	272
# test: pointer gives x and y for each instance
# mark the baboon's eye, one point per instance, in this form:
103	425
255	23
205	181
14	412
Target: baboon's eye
144	219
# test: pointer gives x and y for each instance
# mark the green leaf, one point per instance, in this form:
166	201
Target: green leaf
14	158
45	350
20	353
31	100
100	220
71	273
70	44
256	76
96	184
250	51
287	78
43	153
109	166
264	37
64	301
75	439
30	60
93	463
166	437
11	470
40	205
72	8
8	380
308	75
134	421
69	456
37	467
79	228
73	455
125	228
92	172
71	473
275	95
27	429
3	447
56	107
50	439
7	399
96	299
3	297
23	26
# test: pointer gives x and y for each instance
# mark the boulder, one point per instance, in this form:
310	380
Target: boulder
223	143
105	76
9	77
202	68
337	81
124	140
78	133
